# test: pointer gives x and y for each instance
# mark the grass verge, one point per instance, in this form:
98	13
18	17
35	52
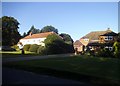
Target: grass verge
12	54
97	71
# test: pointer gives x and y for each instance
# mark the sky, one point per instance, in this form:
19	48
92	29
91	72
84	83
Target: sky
74	18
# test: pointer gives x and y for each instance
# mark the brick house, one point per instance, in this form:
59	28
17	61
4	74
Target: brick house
95	39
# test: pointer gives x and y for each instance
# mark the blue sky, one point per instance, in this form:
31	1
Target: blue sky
74	18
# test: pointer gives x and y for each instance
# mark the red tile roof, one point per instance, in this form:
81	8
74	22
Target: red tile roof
38	35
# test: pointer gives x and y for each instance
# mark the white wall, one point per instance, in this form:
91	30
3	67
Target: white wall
38	41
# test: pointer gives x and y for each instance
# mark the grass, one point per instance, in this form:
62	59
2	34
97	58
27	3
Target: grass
12	54
91	69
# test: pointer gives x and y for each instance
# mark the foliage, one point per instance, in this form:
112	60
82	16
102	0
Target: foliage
41	50
24	34
0	23
33	48
54	44
26	47
15	47
116	49
33	30
67	38
68	42
49	29
10	34
104	53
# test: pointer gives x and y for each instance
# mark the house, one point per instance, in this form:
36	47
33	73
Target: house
78	46
95	39
34	39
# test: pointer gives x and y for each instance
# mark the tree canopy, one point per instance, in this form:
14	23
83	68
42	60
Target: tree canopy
49	29
33	30
10	34
56	45
67	38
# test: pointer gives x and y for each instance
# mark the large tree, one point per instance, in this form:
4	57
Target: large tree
54	44
67	38
33	30
10	34
49	29
69	42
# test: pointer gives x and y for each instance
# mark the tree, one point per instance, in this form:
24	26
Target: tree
33	30
24	34
67	38
54	44
49	29
10	34
0	23
116	49
69	42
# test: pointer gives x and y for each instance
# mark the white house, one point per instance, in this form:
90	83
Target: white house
34	39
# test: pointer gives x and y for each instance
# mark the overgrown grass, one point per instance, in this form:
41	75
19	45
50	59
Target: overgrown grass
100	71
12	54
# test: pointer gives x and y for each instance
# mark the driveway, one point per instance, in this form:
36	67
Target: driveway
4	60
20	77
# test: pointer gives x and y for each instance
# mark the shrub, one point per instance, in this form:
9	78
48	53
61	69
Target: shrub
15	47
41	50
116	49
104	53
7	48
26	47
33	48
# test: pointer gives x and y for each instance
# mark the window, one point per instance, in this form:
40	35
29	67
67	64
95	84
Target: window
110	38
106	38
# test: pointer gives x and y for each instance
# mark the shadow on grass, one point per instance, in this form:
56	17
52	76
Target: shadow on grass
91	80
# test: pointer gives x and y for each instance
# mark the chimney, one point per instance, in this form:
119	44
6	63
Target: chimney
30	34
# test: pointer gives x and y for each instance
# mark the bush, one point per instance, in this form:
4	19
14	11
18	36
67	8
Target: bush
33	48
7	48
15	47
104	53
116	49
41	50
26	47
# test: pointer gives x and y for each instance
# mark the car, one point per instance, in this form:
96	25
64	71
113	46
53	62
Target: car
7	48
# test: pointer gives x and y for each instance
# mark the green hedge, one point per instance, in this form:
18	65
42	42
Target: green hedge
26	47
42	50
33	48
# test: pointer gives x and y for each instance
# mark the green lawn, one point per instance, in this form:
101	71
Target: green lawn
92	69
12	54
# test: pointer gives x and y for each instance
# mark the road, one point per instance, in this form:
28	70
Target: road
4	60
19	77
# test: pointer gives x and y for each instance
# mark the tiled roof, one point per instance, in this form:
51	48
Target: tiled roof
77	42
39	35
110	34
95	34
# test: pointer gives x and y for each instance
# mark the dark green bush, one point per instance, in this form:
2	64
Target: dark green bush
41	50
104	53
33	48
15	47
26	47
